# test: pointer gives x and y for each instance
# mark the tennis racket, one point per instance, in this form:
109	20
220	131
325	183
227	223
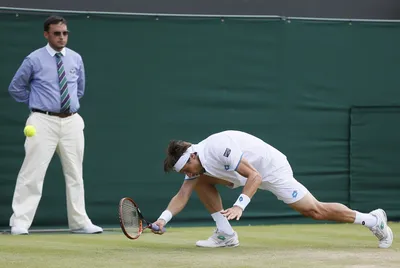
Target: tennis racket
131	219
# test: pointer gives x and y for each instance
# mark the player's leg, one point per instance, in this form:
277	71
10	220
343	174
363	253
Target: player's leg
224	236
70	151
39	151
376	220
311	207
211	199
293	193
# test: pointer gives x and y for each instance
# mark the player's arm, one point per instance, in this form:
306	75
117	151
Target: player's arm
253	178
253	181
177	203
18	88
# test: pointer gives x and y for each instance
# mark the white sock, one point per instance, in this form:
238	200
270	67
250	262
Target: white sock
365	219
222	223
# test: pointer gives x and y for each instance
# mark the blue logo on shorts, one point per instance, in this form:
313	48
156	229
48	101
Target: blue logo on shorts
294	194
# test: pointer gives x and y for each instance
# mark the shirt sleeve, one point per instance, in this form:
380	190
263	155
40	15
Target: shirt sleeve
19	86
81	80
226	153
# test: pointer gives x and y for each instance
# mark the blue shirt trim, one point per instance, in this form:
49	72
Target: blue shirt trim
239	162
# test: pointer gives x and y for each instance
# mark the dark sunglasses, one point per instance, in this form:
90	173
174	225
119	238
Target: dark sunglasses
65	33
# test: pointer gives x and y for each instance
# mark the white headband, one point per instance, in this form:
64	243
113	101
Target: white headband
183	159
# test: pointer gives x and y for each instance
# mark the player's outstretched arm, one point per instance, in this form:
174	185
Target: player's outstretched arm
250	188
177	203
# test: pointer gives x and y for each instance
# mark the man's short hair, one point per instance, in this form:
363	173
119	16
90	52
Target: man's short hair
53	20
175	150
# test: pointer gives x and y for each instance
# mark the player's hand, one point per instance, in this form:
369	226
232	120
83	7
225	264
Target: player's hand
160	223
232	213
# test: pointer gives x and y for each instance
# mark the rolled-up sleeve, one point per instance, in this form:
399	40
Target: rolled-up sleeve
19	87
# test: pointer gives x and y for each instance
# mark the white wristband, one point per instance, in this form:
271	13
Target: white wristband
166	216
242	201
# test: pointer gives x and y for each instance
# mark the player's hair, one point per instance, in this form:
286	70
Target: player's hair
175	150
53	20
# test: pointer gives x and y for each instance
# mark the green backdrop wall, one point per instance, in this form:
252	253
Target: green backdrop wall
294	83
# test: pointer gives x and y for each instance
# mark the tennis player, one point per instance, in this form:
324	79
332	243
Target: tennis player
234	159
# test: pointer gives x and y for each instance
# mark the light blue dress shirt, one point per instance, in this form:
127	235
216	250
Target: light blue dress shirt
36	81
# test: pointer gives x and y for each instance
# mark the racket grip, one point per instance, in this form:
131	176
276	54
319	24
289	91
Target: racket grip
155	227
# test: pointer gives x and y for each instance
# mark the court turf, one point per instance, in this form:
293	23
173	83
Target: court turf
300	246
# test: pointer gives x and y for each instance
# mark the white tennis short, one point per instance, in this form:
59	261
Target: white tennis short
284	186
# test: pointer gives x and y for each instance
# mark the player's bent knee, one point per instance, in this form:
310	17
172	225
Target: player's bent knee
205	181
200	187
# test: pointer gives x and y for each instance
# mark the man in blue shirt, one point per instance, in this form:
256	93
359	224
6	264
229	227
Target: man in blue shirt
51	80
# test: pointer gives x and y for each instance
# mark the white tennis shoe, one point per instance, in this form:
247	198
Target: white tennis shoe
219	239
381	230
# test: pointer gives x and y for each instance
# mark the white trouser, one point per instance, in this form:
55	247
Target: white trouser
65	136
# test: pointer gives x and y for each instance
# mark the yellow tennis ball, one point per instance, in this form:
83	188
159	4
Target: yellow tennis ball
29	131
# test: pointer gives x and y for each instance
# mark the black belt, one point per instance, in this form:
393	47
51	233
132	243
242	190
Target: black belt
62	115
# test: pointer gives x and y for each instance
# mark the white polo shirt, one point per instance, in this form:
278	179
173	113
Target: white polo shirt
221	153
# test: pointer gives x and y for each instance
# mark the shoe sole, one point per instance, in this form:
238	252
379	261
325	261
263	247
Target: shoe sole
232	246
226	246
390	234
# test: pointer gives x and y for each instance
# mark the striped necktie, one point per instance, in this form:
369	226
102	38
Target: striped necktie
65	100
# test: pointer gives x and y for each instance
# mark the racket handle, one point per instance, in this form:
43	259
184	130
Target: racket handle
155	227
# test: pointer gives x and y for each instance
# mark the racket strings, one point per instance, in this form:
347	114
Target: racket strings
130	218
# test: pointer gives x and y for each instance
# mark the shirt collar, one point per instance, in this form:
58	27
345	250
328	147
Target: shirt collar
52	52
